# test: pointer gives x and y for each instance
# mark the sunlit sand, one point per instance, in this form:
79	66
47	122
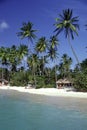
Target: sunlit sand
48	91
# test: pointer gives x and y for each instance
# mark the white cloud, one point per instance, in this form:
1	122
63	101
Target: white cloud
3	26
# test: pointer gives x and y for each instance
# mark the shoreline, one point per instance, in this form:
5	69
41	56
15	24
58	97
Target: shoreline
48	92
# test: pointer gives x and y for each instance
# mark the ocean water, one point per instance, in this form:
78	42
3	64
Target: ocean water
20	111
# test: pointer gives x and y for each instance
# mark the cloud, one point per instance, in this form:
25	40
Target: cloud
3	26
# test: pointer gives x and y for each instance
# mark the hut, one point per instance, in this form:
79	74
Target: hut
61	83
3	82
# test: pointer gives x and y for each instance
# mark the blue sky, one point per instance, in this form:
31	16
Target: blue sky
42	13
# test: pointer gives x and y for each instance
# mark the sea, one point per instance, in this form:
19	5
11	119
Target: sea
24	111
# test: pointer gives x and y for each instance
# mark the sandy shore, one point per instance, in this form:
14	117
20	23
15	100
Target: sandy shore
48	92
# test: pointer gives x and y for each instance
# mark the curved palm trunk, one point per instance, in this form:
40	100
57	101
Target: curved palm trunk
74	53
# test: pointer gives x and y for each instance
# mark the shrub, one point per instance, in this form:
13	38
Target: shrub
19	79
44	82
80	82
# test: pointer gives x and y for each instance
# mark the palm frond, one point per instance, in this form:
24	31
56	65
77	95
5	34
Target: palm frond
67	23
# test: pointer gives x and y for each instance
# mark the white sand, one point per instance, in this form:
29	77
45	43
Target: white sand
48	91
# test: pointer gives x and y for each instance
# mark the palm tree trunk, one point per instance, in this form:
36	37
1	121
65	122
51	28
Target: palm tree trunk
74	53
43	66
55	74
2	73
35	79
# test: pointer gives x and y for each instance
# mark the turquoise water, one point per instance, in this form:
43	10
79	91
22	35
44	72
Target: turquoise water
19	111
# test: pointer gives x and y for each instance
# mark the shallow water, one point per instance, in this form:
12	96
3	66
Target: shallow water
20	111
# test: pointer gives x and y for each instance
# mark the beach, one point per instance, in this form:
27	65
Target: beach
48	91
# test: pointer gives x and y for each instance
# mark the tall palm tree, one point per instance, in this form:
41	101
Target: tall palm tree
41	47
27	31
3	57
33	63
61	70
69	25
22	52
52	50
54	41
66	63
13	58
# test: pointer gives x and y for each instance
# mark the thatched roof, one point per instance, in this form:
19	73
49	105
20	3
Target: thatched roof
3	80
63	81
60	81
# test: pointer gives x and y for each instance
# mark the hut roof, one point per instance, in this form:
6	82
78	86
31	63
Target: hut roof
3	80
64	81
60	81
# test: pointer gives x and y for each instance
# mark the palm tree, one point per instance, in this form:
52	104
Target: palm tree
3	57
66	63
41	66
68	24
61	70
33	63
22	52
53	41
27	31
13	58
52	50
84	65
41	47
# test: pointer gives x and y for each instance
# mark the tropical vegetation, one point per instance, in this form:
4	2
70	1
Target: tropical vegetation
39	62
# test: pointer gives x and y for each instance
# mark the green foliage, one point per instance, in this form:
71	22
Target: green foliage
64	66
67	23
40	82
45	82
27	31
40	73
19	79
80	82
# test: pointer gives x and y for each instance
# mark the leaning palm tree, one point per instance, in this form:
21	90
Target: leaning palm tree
69	25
